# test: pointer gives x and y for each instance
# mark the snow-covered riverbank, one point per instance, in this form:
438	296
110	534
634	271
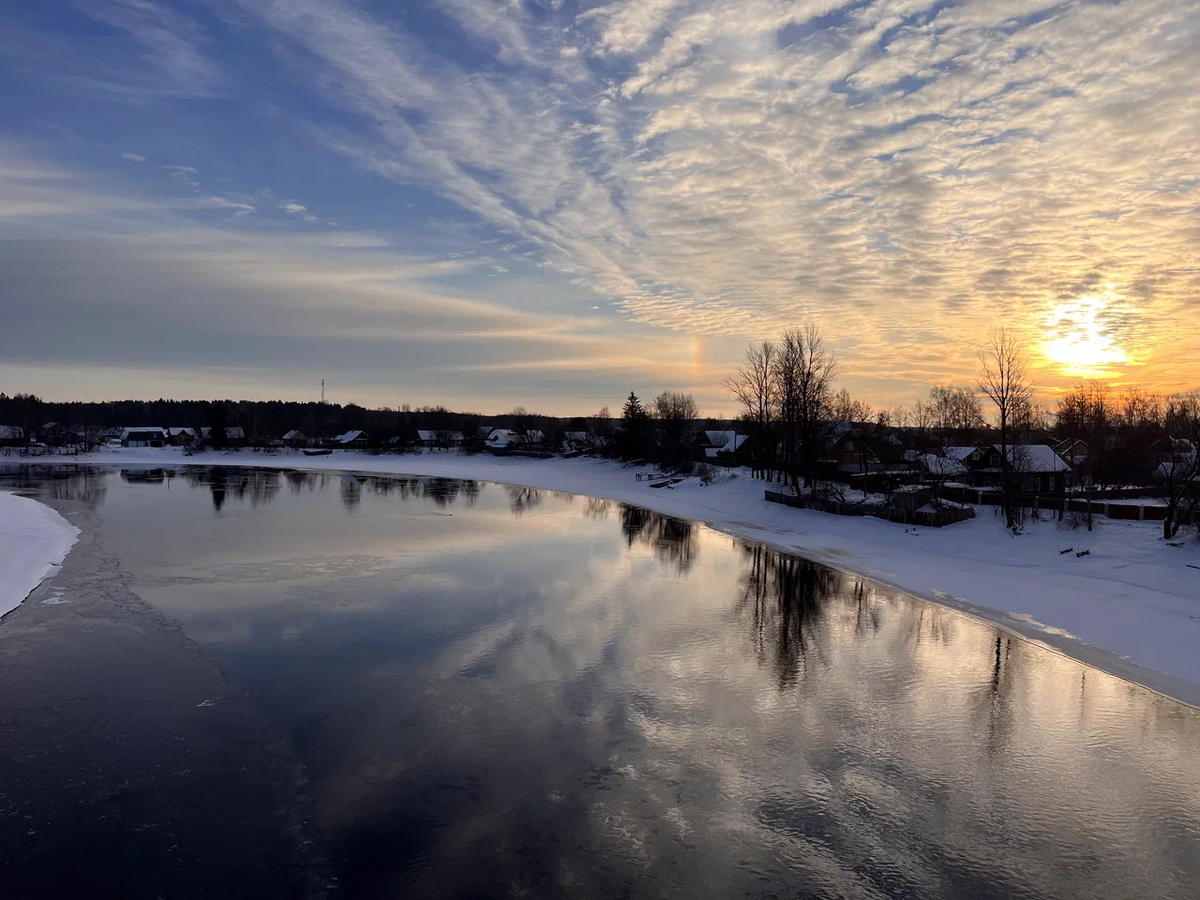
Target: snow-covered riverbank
1132	595
34	540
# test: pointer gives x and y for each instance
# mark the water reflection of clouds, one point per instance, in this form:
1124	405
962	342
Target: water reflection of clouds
599	695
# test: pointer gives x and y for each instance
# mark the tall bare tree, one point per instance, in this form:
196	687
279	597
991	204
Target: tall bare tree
805	370
754	386
676	412
1004	379
1181	473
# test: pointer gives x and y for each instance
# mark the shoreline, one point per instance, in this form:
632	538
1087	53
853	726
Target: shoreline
1127	609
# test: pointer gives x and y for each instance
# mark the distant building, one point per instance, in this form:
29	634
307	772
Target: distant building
234	436
435	437
352	440
295	438
144	436
181	437
1035	468
12	436
505	440
939	467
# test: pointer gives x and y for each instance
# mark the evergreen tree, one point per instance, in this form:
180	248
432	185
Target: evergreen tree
634	420
218	424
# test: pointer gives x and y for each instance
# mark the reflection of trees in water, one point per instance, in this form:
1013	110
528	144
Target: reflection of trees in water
259	486
522	499
783	599
350	489
673	540
83	484
310	481
595	508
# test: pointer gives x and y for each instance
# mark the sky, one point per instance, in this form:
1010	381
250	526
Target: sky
485	203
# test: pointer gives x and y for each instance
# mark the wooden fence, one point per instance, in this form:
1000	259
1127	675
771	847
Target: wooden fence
936	519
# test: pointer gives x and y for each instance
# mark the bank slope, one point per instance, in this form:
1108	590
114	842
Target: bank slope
34	540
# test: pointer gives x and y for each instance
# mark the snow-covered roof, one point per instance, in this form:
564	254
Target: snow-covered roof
576	436
176	432
711	452
350	436
913	488
719	438
960	453
425	434
294	435
941	465
11	432
141	429
430	434
505	436
1035	458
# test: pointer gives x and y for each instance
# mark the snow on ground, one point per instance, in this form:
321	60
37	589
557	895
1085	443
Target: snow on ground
1133	595
34	540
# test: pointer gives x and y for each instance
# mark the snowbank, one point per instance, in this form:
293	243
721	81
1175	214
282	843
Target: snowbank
1132	595
34	540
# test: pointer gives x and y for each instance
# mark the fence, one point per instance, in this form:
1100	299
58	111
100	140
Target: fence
1135	512
932	519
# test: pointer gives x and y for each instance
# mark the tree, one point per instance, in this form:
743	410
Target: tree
1085	413
1181	473
954	409
27	415
1003	380
634	423
805	370
217	425
754	386
677	413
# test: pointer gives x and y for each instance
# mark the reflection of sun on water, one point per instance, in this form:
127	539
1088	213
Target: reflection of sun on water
1080	343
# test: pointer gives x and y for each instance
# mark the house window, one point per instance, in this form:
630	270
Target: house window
1051	483
850	446
975	456
995	459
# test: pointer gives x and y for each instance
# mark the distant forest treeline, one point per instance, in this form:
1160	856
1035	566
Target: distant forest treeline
264	419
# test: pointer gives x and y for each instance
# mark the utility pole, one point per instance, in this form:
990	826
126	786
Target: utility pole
322	391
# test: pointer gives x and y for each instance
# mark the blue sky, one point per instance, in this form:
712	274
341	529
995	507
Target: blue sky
547	202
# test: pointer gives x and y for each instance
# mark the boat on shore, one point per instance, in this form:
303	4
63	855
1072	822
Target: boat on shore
318	452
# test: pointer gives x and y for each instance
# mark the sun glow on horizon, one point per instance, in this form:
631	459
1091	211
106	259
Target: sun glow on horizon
1081	343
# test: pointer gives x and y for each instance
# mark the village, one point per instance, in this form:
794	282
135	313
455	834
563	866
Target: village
912	476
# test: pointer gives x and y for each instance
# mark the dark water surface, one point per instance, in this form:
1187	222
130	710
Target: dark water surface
482	690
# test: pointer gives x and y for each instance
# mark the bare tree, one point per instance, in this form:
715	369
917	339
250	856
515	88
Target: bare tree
754	386
1181	473
805	370
1003	379
1085	413
676	413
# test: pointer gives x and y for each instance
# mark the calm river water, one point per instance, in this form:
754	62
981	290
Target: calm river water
491	691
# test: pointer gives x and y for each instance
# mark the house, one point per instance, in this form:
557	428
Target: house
59	435
12	436
576	442
939	468
851	454
505	440
911	497
181	437
352	440
1036	467
1073	451
143	436
234	436
295	438
438	437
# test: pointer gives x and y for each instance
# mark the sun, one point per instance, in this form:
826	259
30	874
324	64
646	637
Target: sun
1080	342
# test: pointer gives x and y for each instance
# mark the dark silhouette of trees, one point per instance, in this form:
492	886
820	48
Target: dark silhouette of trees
635	426
1003	380
217	425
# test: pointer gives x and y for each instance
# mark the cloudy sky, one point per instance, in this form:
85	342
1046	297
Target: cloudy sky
550	202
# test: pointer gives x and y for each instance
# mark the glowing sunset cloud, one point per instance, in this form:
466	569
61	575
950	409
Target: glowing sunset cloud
549	202
1081	345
